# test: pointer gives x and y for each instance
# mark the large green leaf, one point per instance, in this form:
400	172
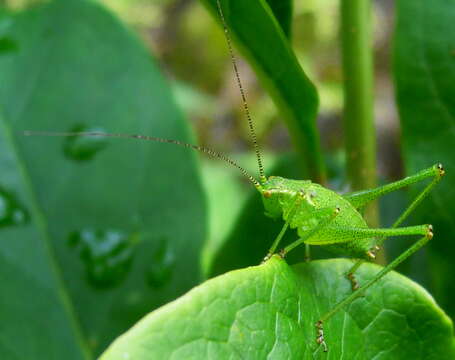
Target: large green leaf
6	43
133	211
226	197
425	87
269	311
263	42
282	9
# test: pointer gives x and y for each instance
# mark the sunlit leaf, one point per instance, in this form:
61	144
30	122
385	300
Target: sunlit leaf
269	311
93	232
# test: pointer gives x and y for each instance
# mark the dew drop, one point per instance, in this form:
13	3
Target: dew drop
11	213
83	148
107	254
162	265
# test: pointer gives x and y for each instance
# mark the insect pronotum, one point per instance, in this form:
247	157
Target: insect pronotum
320	216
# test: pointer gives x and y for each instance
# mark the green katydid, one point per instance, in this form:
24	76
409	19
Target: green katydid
320	216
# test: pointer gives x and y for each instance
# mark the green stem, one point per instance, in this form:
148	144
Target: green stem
358	117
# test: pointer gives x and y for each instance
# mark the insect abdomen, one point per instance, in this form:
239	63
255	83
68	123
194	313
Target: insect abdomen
315	204
348	216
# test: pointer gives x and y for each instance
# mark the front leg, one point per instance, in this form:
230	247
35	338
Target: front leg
307	253
292	211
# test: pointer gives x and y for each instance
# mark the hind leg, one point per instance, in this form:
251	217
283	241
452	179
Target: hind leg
319	324
360	199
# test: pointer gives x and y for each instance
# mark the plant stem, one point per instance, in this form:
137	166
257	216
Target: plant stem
359	130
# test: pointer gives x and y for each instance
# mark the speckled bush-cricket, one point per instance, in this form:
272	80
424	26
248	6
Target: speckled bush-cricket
320	216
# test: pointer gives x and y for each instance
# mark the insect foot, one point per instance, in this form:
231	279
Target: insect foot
354	283
266	258
441	170
320	335
283	253
429	234
372	252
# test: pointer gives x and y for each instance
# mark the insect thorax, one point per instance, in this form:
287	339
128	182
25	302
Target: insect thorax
316	202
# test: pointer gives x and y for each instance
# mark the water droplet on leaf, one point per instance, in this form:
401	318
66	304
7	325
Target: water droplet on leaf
107	254
83	148
162	265
11	213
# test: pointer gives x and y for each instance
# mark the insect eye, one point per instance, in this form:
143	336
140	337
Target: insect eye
267	193
441	169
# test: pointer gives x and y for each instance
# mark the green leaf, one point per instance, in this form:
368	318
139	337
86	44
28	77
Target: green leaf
226	196
6	44
282	9
269	311
249	239
250	23
93	232
425	84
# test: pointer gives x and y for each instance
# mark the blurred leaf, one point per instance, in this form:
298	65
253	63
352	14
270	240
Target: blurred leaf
134	211
269	311
232	204
266	47
282	9
226	196
192	101
253	232
7	45
425	84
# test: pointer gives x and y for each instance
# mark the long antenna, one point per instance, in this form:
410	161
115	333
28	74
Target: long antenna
242	93
202	149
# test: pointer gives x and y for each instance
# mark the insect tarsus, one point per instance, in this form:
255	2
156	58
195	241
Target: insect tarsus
320	335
